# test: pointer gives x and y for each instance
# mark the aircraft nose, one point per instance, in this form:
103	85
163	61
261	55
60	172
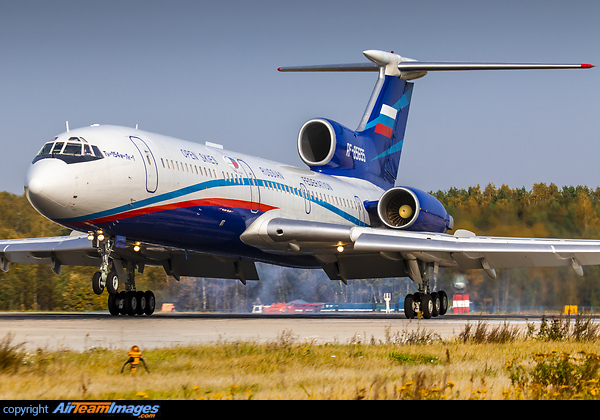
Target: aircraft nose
49	189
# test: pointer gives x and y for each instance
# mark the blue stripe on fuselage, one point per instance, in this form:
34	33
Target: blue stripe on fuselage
204	186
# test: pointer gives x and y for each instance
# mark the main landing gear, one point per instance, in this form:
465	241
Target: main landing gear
424	303
429	305
129	301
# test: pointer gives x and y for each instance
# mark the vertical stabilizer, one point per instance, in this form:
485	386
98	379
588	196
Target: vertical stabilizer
384	128
373	151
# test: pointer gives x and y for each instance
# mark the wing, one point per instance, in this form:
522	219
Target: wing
77	250
68	250
374	252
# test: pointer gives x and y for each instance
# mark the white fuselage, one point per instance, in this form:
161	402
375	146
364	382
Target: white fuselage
173	192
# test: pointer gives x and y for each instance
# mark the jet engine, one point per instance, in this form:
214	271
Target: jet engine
413	209
323	143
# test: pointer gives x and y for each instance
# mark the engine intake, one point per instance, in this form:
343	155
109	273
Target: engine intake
412	209
316	142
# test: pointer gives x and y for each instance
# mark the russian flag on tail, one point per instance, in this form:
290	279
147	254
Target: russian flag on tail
386	121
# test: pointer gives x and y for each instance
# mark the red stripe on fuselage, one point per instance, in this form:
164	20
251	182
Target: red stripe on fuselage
204	202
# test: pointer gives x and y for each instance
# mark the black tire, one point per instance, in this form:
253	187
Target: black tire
443	302
97	283
150	303
435	297
426	306
132	303
121	303
409	311
112	305
112	283
141	307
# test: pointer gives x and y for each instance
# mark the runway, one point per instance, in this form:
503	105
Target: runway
82	331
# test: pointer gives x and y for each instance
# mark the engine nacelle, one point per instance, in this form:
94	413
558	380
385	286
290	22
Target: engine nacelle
413	209
323	143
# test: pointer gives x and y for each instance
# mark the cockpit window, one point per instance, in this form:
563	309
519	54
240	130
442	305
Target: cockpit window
46	149
97	151
57	147
72	149
76	149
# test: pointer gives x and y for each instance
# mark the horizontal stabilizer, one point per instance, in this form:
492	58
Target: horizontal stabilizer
332	67
412	69
440	66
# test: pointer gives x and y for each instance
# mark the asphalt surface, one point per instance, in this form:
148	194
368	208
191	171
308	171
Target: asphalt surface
83	331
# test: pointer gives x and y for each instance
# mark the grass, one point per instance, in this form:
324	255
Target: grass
554	361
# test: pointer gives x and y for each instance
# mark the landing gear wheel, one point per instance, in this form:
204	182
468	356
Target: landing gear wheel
142	303
150	302
112	282
121	303
443	302
435	297
112	305
131	303
409	310
426	306
97	285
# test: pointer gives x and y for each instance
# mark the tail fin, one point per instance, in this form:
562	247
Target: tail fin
384	128
372	152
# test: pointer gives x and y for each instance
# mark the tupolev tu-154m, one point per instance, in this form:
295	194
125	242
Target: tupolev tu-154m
135	199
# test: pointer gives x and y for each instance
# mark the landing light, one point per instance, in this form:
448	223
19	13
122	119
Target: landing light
100	235
90	236
137	247
340	248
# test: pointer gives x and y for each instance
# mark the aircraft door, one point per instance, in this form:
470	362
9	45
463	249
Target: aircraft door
254	190
305	194
361	209
149	163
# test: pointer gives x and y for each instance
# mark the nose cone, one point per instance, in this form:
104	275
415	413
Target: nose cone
49	188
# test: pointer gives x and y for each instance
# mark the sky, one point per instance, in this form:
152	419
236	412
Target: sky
207	71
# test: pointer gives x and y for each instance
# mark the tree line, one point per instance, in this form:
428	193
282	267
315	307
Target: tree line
544	211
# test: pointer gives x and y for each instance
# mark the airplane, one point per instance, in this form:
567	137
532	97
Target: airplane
134	199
